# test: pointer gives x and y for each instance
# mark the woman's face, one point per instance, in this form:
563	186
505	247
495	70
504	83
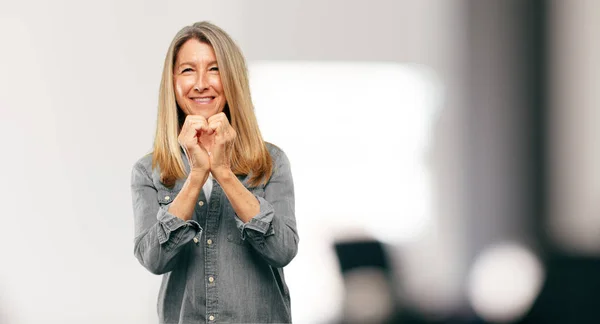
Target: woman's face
196	80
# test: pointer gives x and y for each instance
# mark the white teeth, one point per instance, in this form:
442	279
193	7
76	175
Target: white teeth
202	100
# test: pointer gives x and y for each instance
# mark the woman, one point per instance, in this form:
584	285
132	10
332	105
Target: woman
214	203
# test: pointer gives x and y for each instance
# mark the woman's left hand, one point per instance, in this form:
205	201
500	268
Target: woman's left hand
222	149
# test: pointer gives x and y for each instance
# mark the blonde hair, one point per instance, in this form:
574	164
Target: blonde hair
250	155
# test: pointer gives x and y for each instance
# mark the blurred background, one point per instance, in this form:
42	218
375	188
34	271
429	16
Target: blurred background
444	154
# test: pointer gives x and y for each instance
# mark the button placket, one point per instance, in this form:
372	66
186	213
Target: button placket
213	218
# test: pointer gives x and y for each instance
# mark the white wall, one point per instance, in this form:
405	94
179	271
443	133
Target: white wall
574	119
78	102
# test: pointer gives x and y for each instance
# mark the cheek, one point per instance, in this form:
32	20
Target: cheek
216	83
180	87
178	90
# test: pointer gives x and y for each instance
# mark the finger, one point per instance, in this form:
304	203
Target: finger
226	129
208	129
199	126
225	132
204	124
219	117
220	131
187	133
215	126
191	134
215	117
193	119
189	120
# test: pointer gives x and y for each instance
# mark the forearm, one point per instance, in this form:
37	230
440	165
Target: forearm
245	205
265	215
278	244
159	234
183	205
161	258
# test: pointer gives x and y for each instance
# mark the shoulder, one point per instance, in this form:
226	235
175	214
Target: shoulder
280	159
277	154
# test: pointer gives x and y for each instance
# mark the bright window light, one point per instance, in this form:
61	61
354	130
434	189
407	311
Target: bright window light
357	138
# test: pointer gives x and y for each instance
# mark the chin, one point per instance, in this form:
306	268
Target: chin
204	113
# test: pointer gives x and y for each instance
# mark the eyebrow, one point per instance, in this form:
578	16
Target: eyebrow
194	63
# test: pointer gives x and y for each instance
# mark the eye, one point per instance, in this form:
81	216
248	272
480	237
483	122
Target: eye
214	68
186	70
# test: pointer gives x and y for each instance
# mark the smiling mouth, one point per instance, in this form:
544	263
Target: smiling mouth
203	100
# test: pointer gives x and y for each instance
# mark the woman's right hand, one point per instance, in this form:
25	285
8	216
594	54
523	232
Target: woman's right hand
189	139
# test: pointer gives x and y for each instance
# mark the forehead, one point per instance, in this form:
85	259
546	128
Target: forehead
194	51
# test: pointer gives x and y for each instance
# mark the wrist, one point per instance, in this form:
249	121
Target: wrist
198	177
222	174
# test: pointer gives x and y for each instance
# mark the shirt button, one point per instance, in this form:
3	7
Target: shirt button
167	197
211	279
209	241
201	203
196	240
211	318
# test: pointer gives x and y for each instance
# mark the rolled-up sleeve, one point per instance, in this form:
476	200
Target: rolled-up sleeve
159	235
272	232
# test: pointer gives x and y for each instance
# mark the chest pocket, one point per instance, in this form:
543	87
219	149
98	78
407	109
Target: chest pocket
233	233
166	197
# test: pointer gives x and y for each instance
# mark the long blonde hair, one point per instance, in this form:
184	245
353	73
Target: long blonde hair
250	155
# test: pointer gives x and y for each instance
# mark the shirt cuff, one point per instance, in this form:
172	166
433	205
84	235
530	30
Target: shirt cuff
169	223
260	223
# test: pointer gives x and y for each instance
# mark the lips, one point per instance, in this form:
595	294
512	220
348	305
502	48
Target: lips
203	100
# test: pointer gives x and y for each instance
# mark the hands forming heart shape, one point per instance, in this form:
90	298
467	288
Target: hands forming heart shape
206	139
208	144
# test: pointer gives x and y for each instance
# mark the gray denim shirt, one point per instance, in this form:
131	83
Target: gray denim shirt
215	267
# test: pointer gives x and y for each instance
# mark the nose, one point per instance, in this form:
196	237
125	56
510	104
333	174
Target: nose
201	82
